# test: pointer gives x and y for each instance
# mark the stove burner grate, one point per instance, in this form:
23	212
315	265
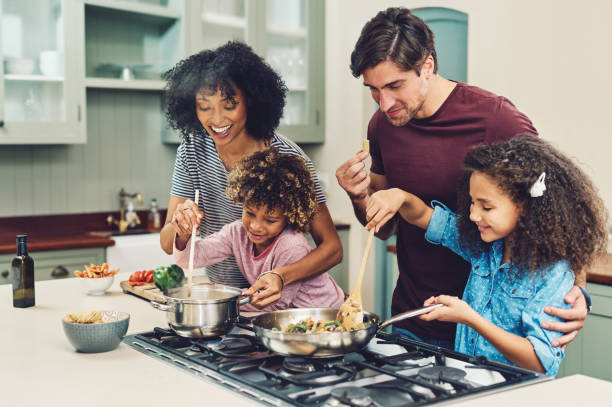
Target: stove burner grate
440	374
352	396
311	373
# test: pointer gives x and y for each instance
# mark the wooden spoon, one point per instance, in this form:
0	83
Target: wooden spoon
192	249
350	313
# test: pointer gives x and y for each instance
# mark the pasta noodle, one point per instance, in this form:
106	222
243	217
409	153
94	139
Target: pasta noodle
90	317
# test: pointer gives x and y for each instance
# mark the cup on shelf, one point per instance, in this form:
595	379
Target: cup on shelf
51	63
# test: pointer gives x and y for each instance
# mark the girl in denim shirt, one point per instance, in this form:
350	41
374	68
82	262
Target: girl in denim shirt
527	219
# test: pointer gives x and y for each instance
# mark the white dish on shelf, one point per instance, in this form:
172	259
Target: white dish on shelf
19	66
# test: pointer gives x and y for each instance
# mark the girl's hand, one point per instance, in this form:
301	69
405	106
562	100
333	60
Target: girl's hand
265	291
455	310
382	206
185	217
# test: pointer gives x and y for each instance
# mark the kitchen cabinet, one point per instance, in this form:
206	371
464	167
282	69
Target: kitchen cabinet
339	272
289	34
128	45
42	99
589	353
46	261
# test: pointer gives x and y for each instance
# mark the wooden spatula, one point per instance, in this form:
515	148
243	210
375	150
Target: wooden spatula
350	313
192	250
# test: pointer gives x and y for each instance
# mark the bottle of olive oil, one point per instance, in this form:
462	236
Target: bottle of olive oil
23	275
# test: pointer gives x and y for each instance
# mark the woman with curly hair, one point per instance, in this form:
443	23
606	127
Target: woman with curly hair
227	103
528	220
278	199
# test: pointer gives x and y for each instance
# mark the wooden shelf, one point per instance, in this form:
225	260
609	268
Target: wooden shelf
225	20
33	78
136	84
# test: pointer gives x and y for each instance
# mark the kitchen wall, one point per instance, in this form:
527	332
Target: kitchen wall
123	149
551	58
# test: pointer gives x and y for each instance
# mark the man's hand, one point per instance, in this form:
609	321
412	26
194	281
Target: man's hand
353	177
455	310
382	206
265	291
574	318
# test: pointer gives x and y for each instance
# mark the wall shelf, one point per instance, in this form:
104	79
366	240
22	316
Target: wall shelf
225	20
136	84
33	78
287	32
150	10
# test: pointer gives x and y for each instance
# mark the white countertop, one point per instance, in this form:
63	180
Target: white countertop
38	366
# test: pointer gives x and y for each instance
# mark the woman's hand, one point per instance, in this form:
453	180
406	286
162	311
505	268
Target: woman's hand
455	310
185	217
382	206
265	291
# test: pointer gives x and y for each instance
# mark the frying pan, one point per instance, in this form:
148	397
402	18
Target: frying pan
268	327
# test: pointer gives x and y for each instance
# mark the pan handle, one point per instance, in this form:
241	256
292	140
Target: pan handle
245	300
160	306
408	314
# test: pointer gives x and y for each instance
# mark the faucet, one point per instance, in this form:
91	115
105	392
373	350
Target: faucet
122	223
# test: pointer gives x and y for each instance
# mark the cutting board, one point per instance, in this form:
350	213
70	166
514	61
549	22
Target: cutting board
147	292
150	292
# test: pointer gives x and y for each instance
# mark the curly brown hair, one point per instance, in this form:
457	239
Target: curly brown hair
568	222
277	181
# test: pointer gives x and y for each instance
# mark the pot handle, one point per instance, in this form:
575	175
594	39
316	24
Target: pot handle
160	306
408	314
245	300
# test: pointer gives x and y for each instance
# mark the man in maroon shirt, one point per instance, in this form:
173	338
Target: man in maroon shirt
418	139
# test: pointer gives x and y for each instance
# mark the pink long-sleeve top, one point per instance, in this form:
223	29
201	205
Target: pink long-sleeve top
288	247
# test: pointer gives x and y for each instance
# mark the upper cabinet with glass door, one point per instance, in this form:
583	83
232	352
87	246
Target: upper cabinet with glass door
41	100
129	44
289	34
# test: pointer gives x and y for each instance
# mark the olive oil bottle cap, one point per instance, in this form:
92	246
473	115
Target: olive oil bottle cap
22	245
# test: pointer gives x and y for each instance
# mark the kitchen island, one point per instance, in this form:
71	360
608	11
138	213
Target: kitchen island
40	367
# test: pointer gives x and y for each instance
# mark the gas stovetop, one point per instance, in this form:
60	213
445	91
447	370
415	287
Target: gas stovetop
390	371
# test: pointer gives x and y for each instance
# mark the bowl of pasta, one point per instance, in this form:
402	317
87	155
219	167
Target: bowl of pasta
96	279
95	331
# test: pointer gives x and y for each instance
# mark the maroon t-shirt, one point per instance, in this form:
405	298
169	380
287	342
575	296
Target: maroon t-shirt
425	157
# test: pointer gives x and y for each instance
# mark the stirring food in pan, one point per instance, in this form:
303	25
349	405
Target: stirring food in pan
311	327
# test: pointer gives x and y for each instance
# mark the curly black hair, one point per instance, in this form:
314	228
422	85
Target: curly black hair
568	222
277	181
232	64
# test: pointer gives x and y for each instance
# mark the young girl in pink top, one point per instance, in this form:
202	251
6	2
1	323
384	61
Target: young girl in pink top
279	202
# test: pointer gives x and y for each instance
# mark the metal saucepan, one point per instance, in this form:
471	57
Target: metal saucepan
268	327
212	310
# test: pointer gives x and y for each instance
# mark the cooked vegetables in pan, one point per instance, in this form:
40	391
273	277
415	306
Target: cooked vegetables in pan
309	326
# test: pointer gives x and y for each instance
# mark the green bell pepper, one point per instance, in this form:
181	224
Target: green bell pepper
167	277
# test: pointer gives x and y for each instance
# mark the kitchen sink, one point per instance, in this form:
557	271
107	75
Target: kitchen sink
133	252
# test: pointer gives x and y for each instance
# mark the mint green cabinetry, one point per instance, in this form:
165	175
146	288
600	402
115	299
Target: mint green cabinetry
591	352
42	100
339	272
45	262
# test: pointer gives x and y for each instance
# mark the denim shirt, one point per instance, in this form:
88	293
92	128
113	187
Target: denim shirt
512	299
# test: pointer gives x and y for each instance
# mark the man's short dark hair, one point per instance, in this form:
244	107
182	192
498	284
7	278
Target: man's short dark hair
394	34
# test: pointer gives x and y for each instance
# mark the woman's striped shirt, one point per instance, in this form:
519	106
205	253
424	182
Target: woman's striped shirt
198	165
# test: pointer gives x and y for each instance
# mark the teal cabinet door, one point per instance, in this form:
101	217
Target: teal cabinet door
450	29
589	354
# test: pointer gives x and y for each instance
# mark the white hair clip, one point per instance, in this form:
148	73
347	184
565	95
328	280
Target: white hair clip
538	187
